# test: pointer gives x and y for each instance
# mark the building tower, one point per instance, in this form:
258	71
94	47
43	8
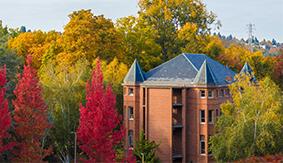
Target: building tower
176	104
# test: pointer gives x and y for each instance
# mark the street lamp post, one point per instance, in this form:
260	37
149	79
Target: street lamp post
75	150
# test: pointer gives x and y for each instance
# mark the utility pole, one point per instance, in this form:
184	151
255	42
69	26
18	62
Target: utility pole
251	29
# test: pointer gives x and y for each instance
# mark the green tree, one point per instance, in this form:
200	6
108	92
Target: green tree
14	65
139	42
5	34
252	124
145	150
168	17
63	91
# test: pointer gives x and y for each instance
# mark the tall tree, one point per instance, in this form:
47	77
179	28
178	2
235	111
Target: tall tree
14	65
99	129
89	36
63	90
5	34
252	125
139	42
170	16
5	117
34	43
30	117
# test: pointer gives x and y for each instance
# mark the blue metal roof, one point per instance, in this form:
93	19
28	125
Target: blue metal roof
248	71
205	75
185	69
135	74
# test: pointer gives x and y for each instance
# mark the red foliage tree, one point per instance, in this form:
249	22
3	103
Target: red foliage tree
5	118
99	131
30	117
278	69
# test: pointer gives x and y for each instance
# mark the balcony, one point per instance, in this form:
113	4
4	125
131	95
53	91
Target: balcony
177	147
177	98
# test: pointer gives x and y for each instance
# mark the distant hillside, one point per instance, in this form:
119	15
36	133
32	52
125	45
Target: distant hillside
269	47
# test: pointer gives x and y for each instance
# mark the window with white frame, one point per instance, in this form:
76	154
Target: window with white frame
202	116
130	138
202	144
131	91
131	112
210	116
202	93
210	94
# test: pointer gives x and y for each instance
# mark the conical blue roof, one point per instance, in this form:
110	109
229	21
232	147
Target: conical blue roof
248	71
135	74
205	75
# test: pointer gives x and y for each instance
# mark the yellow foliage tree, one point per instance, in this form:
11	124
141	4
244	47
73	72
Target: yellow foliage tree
33	43
88	36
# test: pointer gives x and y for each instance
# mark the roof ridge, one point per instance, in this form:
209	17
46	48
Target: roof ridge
164	63
142	74
133	74
183	54
205	68
211	72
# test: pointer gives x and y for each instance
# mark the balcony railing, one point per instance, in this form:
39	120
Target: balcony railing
177	105
177	126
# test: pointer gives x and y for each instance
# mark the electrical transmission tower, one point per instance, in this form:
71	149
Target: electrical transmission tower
251	29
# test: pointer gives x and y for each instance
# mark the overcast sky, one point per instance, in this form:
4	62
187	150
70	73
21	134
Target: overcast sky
267	15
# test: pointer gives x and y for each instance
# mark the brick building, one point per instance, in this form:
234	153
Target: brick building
176	105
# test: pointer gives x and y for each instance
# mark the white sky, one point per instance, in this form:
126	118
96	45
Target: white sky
267	15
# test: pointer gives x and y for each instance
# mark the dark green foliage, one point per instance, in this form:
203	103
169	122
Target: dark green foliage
145	148
14	65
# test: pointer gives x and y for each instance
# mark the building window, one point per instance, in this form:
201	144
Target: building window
202	93
131	112
217	112
131	91
202	116
202	144
210	116
210	94
221	93
130	137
